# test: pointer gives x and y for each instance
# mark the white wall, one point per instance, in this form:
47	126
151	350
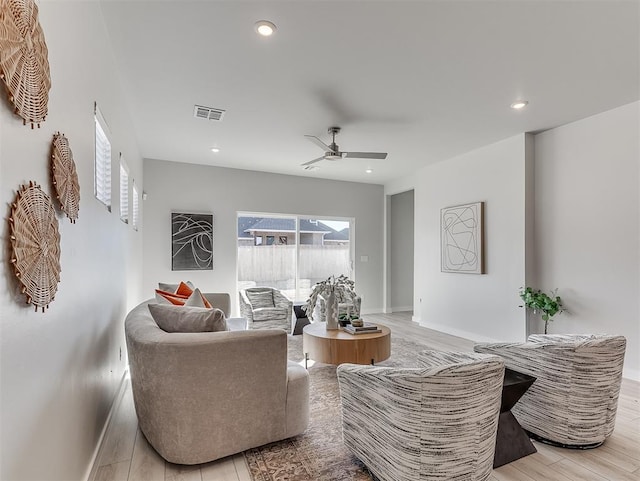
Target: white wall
474	306
60	370
586	225
176	187
401	226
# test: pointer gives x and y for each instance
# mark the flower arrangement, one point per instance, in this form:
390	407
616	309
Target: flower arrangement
549	305
341	284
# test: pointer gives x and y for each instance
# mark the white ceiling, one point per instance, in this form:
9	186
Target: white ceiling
421	80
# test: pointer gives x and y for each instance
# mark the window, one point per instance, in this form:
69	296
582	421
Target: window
269	254
124	191
135	216
102	178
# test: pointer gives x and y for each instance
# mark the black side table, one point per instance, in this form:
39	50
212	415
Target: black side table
512	441
299	318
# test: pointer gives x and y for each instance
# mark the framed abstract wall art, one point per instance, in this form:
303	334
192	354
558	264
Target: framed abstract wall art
462	238
191	242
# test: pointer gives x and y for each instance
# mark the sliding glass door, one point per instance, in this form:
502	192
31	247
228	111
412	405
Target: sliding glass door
324	250
292	253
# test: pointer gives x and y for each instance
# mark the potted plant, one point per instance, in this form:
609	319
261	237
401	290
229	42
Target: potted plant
538	301
328	289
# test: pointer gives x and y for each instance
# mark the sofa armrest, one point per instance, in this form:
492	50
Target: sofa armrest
205	385
220	301
297	399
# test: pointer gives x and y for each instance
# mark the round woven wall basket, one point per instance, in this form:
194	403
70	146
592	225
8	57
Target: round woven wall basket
35	243
24	63
65	177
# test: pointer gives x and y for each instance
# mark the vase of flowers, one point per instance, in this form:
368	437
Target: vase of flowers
332	309
329	289
538	301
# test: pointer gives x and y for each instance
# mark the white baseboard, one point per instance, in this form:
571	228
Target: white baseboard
90	474
472	336
374	310
416	319
401	309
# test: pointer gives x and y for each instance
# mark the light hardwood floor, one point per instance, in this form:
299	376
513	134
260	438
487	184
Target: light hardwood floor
126	456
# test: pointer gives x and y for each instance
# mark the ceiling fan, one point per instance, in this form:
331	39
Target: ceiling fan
332	151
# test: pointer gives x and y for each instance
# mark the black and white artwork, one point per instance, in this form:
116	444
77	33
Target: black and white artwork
462	234
191	242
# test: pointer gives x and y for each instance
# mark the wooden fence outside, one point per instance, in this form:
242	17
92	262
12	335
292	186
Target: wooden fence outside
275	265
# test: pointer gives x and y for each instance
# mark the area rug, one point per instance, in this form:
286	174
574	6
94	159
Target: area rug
319	453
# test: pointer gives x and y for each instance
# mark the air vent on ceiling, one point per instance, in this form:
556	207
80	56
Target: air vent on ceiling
207	113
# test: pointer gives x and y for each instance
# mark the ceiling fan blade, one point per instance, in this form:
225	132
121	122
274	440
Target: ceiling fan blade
313	161
365	155
319	143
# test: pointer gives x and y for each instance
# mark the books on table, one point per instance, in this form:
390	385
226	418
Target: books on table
364	329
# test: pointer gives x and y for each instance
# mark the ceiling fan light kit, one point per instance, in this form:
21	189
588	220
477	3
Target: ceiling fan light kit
332	151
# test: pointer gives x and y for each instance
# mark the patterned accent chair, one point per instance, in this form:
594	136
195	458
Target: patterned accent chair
344	304
437	421
574	399
266	308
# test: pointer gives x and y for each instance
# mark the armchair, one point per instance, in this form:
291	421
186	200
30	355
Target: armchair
435	422
574	399
266	308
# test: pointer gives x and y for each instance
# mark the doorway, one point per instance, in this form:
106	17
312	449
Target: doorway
401	251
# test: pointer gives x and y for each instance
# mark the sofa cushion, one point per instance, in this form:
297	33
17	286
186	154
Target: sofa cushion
187	319
260	298
269	313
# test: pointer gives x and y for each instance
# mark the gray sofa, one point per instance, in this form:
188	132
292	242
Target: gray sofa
203	396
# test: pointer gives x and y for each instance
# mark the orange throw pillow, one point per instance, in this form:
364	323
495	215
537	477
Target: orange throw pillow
180	296
175	299
184	290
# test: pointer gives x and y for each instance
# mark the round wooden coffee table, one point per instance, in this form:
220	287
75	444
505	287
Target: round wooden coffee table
337	346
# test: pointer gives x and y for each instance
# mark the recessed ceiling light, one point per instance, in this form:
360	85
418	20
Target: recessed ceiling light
215	150
369	171
519	104
265	28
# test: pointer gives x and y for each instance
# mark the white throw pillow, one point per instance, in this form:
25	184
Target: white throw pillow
172	318
195	299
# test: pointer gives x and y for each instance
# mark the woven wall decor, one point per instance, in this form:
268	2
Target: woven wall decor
24	63
35	243
65	177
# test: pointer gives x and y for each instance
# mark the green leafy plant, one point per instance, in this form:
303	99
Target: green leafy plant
538	301
341	284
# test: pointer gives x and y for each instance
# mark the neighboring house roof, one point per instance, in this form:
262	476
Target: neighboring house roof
248	225
243	224
342	235
271	224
